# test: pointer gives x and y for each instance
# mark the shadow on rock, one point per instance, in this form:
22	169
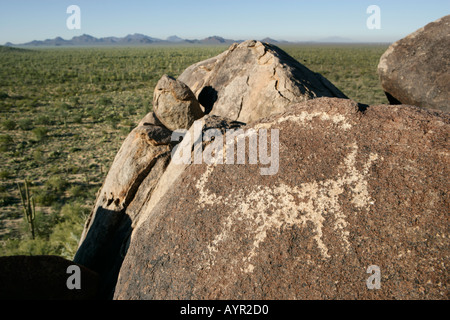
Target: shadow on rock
105	247
207	98
45	278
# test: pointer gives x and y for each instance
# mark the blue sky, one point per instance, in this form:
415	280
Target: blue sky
293	20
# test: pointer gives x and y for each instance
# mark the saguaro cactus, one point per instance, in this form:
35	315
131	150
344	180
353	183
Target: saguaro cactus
28	206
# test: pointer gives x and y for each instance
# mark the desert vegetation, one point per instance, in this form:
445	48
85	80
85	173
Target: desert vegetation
65	112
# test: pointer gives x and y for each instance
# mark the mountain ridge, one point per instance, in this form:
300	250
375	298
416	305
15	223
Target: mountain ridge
141	39
130	39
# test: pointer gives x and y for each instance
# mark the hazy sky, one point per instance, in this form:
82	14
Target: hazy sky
294	20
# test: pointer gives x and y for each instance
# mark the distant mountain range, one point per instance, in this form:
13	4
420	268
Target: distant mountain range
141	39
129	40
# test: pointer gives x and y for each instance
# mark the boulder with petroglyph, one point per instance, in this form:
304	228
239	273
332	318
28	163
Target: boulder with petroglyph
356	186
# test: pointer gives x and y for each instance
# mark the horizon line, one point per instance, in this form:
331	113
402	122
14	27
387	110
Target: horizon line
329	39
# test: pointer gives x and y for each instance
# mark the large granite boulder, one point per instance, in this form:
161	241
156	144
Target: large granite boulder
416	70
356	187
252	80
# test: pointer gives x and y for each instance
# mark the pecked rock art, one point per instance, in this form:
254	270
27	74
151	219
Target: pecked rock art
281	206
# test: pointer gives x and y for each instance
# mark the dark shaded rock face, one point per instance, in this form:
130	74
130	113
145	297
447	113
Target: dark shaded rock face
44	278
416	69
357	186
252	80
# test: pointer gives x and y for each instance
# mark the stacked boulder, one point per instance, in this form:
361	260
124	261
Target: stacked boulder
175	104
137	167
145	154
